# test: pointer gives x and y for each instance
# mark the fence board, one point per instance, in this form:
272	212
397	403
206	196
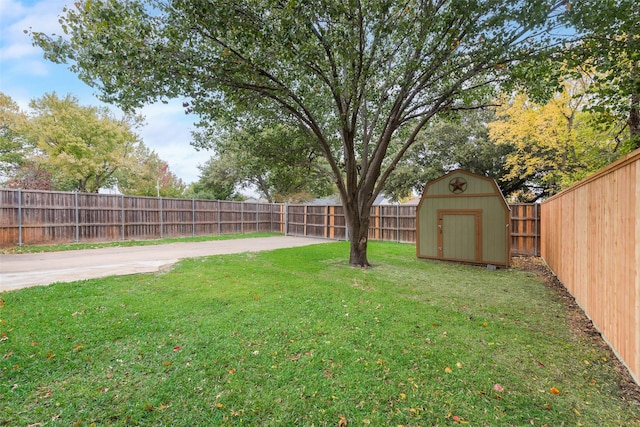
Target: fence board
591	239
525	229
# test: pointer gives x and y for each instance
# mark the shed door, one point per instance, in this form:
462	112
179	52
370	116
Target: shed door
460	235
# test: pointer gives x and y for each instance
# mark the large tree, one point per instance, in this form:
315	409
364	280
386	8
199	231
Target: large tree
608	50
556	144
80	146
458	141
219	180
15	148
363	76
255	153
146	174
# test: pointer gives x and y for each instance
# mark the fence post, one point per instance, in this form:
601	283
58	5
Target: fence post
536	222
397	223
19	217
219	216
241	218
286	219
123	220
193	217
161	225
77	219
257	219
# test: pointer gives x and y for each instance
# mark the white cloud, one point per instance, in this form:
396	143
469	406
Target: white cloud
168	133
11	10
40	17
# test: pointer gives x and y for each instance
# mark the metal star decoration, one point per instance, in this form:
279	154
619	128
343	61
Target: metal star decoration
458	185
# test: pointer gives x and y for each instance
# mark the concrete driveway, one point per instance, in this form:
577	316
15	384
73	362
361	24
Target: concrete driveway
23	270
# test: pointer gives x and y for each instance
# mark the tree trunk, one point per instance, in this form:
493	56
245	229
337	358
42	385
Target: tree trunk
358	227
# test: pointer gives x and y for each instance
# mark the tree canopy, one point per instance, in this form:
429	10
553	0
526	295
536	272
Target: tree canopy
362	76
459	141
14	147
148	175
608	51
553	145
64	146
295	173
83	146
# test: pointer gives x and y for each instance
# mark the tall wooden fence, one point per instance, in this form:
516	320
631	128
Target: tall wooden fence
591	240
398	223
43	217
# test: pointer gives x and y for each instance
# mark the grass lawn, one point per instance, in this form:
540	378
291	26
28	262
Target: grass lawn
297	337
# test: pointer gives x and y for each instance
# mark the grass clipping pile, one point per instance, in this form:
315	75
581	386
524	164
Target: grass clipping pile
578	321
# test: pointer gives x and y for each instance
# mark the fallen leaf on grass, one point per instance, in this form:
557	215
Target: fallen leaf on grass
554	390
498	388
448	370
176	348
342	421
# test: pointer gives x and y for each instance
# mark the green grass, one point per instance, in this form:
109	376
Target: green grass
296	337
93	245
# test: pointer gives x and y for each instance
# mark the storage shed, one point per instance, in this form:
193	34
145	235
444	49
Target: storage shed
464	217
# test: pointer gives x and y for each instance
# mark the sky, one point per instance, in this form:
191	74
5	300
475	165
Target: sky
25	75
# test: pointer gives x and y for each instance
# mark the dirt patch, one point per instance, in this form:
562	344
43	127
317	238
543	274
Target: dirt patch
578	321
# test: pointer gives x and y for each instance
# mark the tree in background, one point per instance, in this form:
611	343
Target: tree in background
61	146
278	160
364	77
148	175
15	149
219	180
81	147
460	141
556	144
609	53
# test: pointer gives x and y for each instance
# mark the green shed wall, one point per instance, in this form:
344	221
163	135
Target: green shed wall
482	194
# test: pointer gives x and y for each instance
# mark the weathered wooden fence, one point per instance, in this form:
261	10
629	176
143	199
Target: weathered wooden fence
43	217
591	240
398	223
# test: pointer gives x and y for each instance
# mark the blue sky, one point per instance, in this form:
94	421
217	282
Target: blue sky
25	74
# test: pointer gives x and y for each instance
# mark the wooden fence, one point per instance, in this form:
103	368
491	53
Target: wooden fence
44	217
398	223
591	240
